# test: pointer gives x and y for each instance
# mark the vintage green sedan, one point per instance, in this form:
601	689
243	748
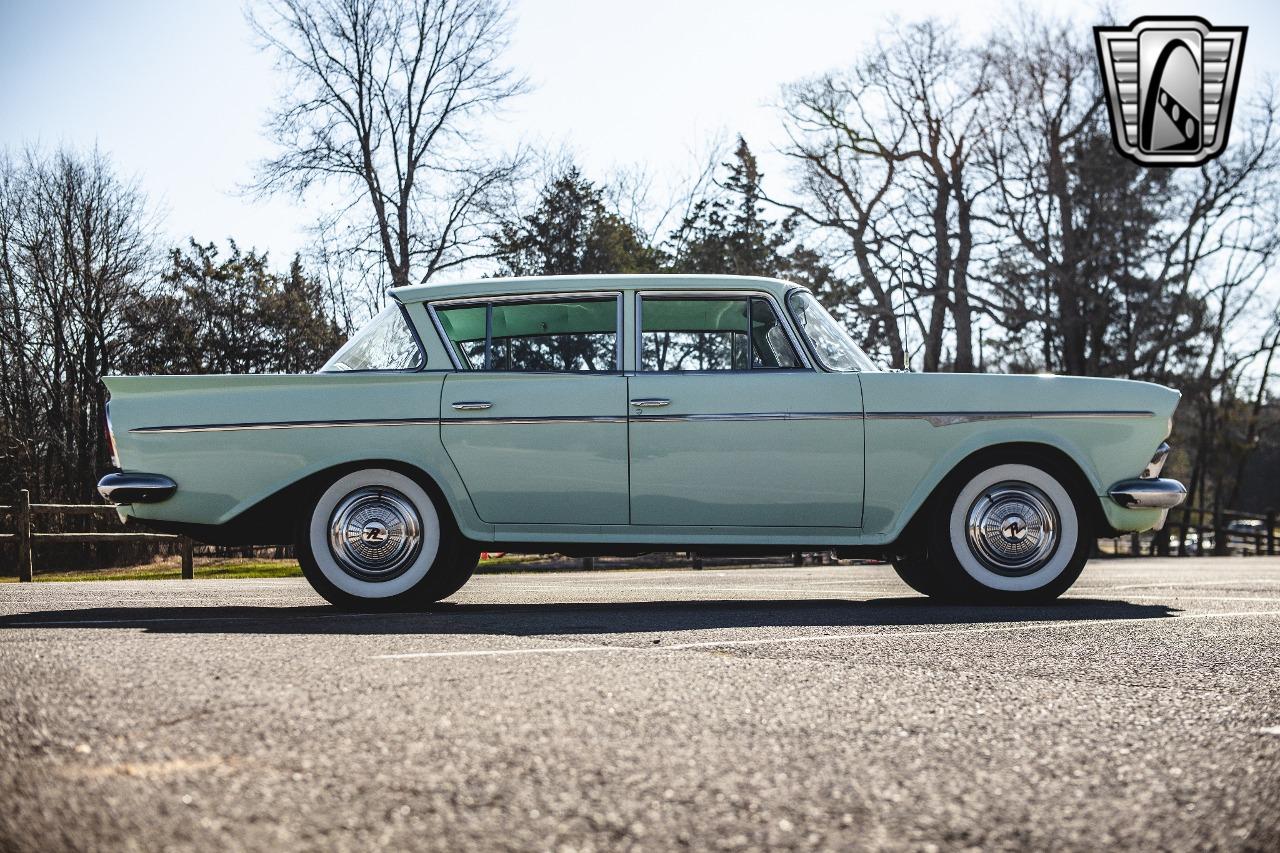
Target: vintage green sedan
624	414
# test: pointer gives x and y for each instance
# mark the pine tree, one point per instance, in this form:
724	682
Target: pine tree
728	232
573	232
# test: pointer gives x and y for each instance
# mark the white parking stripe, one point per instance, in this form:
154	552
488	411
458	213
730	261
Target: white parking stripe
1176	596
1176	585
819	638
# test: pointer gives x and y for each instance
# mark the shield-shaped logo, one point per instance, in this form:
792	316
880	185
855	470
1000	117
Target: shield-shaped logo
1171	85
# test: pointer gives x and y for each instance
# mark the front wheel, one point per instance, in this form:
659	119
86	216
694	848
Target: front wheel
1009	534
375	540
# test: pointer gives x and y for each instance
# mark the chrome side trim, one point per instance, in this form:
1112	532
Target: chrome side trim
264	425
1148	494
752	416
941	419
937	419
536	419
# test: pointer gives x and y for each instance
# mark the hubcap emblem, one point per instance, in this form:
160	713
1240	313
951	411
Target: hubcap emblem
374	532
1014	529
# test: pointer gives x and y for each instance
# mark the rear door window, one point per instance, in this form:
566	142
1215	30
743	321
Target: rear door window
577	335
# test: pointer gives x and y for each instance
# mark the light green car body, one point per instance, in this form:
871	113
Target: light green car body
746	458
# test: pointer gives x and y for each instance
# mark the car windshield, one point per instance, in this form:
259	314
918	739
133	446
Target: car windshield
385	343
827	338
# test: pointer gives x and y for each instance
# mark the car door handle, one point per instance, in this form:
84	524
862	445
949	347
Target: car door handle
650	402
472	405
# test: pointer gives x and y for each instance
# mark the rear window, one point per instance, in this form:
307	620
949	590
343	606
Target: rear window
385	343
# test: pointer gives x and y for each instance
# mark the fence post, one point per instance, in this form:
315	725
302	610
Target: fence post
697	559
24	535
188	563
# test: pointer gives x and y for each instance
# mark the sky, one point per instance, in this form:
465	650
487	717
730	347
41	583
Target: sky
176	91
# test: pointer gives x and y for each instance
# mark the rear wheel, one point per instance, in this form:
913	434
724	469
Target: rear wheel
375	540
1002	533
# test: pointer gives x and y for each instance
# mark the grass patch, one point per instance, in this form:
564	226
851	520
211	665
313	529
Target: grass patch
173	571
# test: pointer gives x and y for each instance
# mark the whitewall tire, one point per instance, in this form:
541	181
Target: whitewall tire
1005	530
374	539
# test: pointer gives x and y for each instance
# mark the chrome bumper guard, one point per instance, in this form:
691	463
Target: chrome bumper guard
1150	491
1148	494
118	488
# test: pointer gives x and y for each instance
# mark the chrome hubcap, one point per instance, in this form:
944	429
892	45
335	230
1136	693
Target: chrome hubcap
375	534
1013	528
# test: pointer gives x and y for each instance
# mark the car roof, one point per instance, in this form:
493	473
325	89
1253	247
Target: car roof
584	284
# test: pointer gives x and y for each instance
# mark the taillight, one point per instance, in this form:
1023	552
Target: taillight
111	439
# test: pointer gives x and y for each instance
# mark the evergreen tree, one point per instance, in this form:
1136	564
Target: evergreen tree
573	232
230	315
728	232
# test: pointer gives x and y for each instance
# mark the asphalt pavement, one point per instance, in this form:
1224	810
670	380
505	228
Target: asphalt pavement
814	707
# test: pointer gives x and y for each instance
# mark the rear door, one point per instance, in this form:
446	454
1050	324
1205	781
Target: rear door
729	424
535	419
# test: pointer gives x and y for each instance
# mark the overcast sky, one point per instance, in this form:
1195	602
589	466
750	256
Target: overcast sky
175	91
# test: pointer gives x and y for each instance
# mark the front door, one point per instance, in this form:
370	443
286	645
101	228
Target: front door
728	427
535	421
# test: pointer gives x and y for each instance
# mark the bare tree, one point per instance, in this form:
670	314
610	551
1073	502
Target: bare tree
1105	267
75	249
884	154
847	176
383	101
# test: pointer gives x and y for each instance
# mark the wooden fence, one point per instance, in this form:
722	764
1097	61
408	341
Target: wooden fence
1202	532
24	513
1221	532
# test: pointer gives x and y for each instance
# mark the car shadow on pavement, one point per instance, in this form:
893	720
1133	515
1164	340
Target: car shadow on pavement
535	619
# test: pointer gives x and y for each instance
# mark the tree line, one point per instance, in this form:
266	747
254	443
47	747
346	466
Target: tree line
958	205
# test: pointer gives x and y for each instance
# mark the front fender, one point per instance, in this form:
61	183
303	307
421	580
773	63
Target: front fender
910	453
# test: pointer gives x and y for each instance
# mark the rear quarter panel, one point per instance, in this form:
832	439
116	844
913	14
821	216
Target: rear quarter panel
222	473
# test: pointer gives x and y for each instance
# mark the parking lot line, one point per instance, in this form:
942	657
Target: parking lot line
1177	584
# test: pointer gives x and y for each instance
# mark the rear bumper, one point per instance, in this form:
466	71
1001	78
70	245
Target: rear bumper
1154	493
119	488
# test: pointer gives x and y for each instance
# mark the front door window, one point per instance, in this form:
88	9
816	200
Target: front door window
712	334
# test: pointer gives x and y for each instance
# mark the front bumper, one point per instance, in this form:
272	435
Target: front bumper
1155	493
119	488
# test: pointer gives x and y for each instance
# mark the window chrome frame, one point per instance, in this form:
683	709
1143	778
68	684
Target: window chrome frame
784	320
559	296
